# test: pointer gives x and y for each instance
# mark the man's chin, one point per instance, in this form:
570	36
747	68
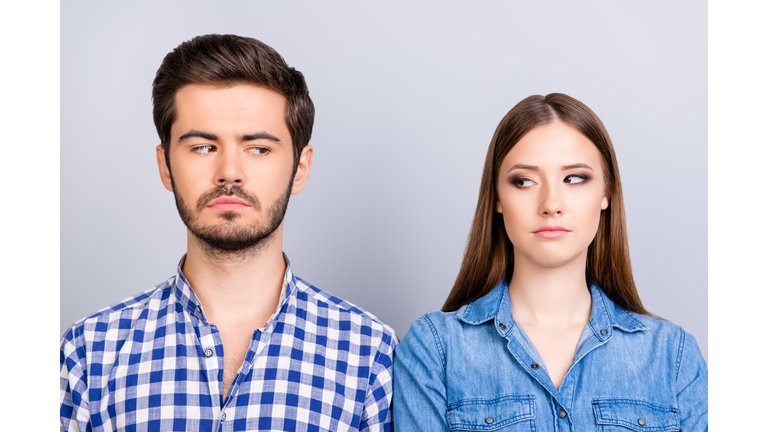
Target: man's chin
232	241
229	215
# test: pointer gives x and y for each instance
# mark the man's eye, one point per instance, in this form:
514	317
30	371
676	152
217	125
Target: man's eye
522	182
206	149
572	179
260	151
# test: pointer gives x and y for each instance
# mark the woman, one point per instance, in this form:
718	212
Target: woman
543	329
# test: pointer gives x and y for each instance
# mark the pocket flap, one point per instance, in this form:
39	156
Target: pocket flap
637	415
489	414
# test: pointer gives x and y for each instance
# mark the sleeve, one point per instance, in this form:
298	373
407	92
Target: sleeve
377	413
692	386
420	392
73	384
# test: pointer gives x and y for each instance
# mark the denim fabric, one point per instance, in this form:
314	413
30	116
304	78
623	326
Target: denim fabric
474	369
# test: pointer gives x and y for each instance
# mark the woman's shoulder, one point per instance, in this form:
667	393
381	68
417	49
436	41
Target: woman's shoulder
633	323
655	326
658	332
432	325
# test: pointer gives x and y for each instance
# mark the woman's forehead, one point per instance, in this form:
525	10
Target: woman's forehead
553	145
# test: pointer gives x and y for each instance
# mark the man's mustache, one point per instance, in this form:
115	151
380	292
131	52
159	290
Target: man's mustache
230	190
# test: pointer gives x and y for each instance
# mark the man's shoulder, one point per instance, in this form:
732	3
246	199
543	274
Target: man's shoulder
325	300
121	314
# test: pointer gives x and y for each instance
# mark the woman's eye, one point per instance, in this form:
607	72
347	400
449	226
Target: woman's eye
206	149
575	179
260	151
522	182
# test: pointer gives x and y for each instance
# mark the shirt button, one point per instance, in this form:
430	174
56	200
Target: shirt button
489	420
641	421
603	332
199	309
208	352
502	326
223	416
535	366
562	414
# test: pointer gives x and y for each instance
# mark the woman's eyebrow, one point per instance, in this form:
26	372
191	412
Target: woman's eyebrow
523	166
574	166
536	168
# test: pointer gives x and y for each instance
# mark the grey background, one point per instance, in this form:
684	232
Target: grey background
407	98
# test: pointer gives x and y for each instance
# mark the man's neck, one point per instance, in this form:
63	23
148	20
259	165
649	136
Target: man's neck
237	289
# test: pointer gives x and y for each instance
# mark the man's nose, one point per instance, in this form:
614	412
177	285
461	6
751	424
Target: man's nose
230	170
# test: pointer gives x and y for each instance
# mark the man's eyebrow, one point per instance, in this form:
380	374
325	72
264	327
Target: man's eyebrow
260	136
198	134
212	137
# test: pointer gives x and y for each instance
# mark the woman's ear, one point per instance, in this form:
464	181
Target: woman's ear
606	199
498	207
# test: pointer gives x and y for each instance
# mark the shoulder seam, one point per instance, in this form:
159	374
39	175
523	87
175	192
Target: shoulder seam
678	361
436	338
374	372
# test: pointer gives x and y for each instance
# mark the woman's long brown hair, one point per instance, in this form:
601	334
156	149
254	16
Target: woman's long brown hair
488	257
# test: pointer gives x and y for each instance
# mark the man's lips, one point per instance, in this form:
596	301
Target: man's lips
227	203
551	232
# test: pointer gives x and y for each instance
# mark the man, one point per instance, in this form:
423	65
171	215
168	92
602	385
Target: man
233	341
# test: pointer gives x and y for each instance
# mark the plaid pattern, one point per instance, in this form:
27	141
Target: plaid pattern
154	363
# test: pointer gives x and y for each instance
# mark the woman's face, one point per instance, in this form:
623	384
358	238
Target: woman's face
551	192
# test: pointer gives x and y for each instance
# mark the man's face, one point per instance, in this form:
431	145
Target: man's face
231	159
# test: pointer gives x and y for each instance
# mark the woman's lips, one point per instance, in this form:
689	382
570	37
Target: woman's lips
227	204
551	232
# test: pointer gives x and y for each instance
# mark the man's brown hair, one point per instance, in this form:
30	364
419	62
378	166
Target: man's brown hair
228	60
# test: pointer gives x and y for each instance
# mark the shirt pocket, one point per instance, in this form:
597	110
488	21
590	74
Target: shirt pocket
507	413
621	415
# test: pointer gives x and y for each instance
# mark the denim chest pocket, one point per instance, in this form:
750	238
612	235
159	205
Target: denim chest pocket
510	413
633	414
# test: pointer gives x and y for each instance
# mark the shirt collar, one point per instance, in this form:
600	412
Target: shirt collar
495	305
186	298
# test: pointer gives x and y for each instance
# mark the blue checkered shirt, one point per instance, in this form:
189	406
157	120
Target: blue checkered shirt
154	363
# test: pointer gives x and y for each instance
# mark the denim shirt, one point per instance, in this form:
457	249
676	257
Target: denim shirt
474	369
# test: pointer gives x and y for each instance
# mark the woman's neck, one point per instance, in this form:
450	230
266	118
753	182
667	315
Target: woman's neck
550	297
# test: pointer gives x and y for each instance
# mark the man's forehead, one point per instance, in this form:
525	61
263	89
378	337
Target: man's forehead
243	95
240	109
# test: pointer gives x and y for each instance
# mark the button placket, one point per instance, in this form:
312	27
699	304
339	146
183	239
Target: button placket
209	339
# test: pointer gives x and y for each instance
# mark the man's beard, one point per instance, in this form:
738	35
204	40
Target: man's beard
225	237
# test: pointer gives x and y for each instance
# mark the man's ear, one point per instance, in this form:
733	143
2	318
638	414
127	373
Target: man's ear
302	170
165	173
